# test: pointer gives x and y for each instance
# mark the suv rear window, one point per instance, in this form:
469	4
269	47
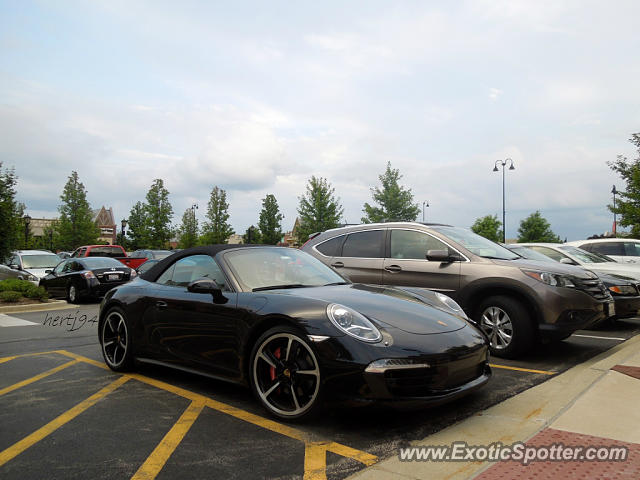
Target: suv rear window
331	248
364	244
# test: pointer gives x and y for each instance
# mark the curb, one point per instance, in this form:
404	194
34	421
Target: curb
36	307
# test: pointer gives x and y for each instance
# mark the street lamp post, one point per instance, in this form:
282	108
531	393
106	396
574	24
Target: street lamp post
51	239
423	205
503	163
27	221
615	224
194	207
123	224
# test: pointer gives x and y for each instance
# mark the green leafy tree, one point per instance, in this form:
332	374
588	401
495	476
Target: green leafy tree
489	227
628	202
319	209
159	213
396	202
270	222
188	229
535	228
217	229
139	231
252	236
75	226
11	221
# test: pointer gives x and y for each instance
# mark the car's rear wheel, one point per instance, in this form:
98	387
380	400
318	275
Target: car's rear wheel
285	373
73	295
507	324
115	340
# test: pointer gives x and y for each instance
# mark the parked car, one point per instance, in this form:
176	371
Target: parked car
146	266
515	301
151	254
624	250
36	262
596	262
292	329
624	290
8	272
113	251
77	278
63	255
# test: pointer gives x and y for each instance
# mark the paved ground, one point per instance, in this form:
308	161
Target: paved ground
159	423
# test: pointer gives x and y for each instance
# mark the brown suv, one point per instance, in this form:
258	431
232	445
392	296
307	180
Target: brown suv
515	301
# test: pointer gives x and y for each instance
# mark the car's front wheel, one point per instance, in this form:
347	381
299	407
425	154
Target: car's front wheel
285	374
115	339
507	324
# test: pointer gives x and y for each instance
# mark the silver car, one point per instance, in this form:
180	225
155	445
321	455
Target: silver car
8	272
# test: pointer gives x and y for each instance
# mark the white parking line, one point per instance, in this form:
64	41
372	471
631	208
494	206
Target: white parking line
601	338
8	321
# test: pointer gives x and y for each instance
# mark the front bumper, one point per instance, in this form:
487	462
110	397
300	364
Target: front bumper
626	307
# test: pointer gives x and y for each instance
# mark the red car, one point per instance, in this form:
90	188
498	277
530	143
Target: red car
112	251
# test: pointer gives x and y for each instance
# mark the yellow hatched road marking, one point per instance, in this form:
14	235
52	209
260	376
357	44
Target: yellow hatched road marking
518	369
155	462
40	376
315	458
30	440
7	359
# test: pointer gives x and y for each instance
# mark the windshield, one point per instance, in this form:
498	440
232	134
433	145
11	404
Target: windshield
584	256
476	244
101	262
263	268
530	254
106	252
40	261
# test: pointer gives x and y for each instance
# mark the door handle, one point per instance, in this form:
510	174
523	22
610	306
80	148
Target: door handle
337	265
161	304
393	269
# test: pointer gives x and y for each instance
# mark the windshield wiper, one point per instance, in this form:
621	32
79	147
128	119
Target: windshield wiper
275	287
335	283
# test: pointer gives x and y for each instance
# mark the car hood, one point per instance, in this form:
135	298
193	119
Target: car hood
38	272
407	311
625	269
551	267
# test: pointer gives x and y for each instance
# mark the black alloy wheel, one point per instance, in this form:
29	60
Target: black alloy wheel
116	341
285	373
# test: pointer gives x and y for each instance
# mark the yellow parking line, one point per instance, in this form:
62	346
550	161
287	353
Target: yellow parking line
155	462
7	359
506	367
30	440
28	381
315	458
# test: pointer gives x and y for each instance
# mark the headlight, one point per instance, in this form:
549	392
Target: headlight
32	278
552	279
353	323
623	290
451	303
133	273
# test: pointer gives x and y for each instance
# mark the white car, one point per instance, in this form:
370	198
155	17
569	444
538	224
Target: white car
625	250
37	262
595	262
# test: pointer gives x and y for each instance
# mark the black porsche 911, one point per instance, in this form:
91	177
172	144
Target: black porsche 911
292	329
77	278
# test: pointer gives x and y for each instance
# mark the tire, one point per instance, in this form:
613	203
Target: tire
73	294
115	341
507	324
277	360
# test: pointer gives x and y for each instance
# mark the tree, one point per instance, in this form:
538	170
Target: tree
489	227
270	222
628	202
11	212
396	202
139	231
535	228
217	229
159	213
188	230
252	235
319	209
75	226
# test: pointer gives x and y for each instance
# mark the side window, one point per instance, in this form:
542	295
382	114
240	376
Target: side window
15	260
364	244
632	249
608	248
60	267
413	245
549	252
587	246
188	269
331	248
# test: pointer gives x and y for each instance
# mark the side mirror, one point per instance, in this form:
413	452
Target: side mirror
207	285
441	256
14	266
567	261
48	271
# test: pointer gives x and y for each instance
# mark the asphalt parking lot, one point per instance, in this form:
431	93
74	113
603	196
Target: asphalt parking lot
65	415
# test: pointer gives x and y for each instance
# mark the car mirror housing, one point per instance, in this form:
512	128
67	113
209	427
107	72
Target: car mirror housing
207	285
14	266
567	261
48	271
440	256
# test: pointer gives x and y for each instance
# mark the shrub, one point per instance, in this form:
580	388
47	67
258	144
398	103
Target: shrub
37	293
10	296
15	285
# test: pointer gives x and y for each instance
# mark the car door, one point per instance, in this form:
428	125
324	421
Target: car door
361	257
406	263
192	329
54	280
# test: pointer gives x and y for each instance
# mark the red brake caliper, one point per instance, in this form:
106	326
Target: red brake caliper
272	370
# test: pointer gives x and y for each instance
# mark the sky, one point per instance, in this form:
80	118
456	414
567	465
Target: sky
257	97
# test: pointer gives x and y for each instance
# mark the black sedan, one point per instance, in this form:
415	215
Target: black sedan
76	278
292	329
